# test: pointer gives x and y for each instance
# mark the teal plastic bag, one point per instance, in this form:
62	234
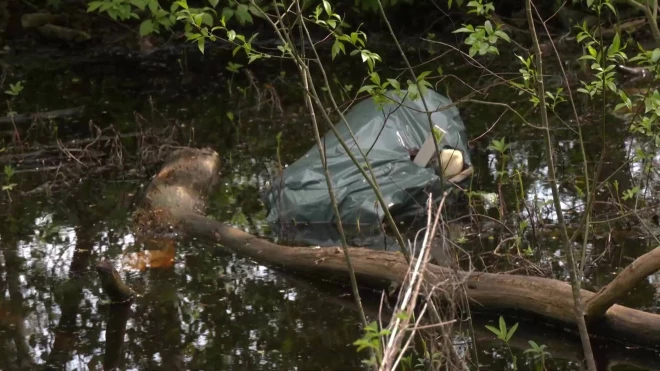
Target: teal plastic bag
389	134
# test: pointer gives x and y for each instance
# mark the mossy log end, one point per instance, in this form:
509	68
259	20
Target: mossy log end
178	200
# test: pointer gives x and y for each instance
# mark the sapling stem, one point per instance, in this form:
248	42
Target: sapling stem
552	180
306	77
414	79
371	178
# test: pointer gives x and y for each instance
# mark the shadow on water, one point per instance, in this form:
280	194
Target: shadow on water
202	308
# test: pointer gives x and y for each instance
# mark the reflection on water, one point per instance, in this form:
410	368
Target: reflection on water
209	310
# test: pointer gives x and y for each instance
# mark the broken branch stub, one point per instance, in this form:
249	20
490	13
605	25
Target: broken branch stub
178	192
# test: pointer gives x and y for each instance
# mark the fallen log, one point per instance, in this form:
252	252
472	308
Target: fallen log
176	198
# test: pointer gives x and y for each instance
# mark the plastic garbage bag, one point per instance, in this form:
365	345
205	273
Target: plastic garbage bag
389	134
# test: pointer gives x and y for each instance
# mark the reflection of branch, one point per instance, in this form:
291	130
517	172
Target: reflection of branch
624	282
23	350
73	294
114	335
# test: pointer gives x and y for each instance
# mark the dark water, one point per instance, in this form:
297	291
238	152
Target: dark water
214	310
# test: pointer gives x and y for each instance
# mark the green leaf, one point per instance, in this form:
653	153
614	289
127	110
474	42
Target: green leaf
164	21
609	5
502	35
214	3
592	51
337	47
197	19
511	332
153	6
255	11
394	83
254	57
463	29
502	324
200	44
146	28
141	4
493	330
611	86
619	106
655	56
367	88
207	19
375	78
94	5
227	13
231	35
243	14
105	6
183	4
616	43
489	27
581	36
9	171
